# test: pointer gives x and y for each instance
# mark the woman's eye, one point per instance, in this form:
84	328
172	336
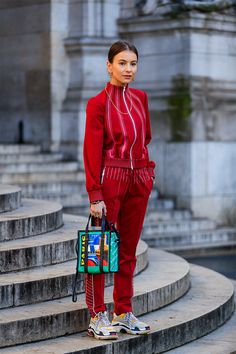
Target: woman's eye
134	64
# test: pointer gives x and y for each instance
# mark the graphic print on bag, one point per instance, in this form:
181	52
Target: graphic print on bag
94	250
96	247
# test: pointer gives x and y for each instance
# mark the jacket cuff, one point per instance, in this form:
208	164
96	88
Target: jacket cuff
151	167
95	195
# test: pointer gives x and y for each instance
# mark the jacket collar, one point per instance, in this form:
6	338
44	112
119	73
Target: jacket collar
114	88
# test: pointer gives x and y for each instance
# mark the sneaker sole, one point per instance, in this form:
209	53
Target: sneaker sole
120	328
91	333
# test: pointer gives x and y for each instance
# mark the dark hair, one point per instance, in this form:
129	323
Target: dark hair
120	46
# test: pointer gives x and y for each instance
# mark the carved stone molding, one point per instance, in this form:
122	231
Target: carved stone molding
152	7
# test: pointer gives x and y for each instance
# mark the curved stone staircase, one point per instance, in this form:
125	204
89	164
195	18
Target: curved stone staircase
47	176
43	175
182	302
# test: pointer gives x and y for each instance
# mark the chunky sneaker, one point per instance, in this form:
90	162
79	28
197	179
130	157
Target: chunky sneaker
101	328
127	322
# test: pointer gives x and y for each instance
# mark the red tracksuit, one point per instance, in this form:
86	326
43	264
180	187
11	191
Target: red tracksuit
118	171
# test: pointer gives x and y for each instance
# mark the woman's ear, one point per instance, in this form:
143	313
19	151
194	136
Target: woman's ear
109	67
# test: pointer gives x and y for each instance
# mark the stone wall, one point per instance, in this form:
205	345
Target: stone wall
187	66
34	70
200	175
53	58
25	70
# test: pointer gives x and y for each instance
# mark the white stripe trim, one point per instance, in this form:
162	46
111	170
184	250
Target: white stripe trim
122	125
141	115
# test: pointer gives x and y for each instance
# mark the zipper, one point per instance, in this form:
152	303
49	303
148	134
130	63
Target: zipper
135	132
103	172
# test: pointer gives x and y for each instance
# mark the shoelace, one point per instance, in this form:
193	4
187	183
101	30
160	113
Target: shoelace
131	318
102	319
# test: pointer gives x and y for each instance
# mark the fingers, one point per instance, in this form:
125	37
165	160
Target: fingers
96	209
105	209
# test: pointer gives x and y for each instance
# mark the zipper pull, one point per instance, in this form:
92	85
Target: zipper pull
103	172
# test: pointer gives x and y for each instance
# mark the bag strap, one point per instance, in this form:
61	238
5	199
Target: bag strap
113	228
103	229
86	252
102	252
74	292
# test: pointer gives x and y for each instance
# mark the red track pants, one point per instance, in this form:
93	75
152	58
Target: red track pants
126	193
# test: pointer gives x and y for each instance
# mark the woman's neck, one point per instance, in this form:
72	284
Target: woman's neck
117	83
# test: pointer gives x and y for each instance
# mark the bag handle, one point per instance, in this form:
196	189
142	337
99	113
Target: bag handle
104	223
103	227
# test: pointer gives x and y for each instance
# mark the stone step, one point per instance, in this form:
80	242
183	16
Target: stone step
79	205
41	250
155	209
66	192
220	341
19	149
169	240
82	209
205	307
10	197
158	207
50	282
33	218
30	158
41	177
177	226
166	215
160	203
36	167
72	205
204	249
59	317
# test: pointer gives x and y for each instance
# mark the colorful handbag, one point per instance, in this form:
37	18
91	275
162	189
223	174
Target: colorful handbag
97	250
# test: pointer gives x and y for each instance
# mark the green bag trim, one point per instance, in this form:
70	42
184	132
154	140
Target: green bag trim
112	258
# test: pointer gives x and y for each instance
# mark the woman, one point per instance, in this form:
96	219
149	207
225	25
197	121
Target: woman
119	180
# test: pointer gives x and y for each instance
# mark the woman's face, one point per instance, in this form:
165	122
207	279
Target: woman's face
123	68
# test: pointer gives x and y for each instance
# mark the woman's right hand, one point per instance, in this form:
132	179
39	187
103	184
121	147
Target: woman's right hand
96	209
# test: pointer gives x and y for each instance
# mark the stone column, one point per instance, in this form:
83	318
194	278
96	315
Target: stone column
187	66
59	73
92	30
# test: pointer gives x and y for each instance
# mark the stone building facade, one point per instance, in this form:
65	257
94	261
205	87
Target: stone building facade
53	55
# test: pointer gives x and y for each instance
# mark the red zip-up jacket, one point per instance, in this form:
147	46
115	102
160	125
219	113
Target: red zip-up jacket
117	132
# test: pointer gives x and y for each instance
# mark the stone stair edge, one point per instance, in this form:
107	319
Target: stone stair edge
57	310
6	189
57	166
49	248
31	156
201	245
50	282
186	233
10	198
168	329
21	148
184	221
29	219
69	222
29	275
34	177
220	341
